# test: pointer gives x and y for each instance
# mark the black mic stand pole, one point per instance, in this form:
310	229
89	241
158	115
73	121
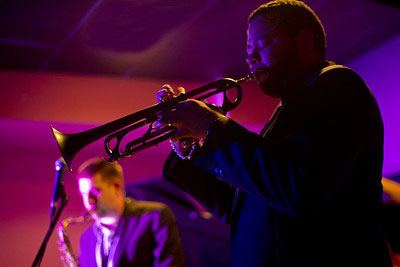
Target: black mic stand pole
53	221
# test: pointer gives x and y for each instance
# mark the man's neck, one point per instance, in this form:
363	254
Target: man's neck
111	227
111	221
302	78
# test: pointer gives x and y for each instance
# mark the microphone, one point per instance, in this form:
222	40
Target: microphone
58	191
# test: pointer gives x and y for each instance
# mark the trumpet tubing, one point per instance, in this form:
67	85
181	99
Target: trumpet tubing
71	144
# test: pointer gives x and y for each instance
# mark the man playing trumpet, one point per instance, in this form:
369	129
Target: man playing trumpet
306	191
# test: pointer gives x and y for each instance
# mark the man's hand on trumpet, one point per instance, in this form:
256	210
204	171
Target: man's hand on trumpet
192	118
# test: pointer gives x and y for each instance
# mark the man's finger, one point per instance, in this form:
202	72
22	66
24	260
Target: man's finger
161	95
180	90
169	89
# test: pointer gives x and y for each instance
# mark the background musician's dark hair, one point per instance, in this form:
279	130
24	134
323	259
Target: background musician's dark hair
108	170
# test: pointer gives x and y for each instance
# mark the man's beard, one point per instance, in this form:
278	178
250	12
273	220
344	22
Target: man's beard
271	82
274	80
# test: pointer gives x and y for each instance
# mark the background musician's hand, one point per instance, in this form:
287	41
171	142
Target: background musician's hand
391	192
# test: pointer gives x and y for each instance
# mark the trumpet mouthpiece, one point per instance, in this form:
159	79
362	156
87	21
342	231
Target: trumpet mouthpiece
248	77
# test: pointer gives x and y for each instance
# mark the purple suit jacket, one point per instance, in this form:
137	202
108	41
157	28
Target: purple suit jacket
148	236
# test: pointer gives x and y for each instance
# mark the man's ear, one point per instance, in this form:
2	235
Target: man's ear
305	41
118	184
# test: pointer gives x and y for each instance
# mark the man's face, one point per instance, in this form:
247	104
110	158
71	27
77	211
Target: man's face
271	55
99	197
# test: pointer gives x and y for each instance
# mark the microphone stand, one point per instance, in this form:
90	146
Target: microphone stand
53	221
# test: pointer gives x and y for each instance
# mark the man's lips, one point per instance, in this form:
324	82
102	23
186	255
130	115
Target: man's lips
261	74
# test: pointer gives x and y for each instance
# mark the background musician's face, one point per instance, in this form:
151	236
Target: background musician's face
271	55
100	197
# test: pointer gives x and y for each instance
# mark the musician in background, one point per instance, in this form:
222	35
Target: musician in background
126	232
391	216
391	191
306	191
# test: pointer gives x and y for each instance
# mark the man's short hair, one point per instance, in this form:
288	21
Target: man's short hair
291	16
109	171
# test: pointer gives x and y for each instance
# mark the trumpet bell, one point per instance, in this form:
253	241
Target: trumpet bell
68	144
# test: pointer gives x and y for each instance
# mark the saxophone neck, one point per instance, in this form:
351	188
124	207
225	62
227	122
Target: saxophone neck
67	255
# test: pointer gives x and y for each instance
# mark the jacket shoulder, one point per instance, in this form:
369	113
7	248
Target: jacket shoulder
143	207
342	82
339	73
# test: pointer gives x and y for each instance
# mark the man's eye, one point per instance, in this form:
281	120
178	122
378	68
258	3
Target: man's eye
95	191
259	45
262	44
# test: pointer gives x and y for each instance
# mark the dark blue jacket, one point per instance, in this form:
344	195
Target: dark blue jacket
306	191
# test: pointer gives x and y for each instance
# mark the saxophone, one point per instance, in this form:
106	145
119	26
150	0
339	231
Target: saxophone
68	257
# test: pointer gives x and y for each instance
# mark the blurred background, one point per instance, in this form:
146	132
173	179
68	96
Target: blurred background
79	64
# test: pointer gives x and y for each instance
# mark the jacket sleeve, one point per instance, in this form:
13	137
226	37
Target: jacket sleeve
317	149
168	249
214	194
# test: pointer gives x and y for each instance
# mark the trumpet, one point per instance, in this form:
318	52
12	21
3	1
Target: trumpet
70	144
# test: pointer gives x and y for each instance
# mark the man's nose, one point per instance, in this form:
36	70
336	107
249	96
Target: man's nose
252	59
